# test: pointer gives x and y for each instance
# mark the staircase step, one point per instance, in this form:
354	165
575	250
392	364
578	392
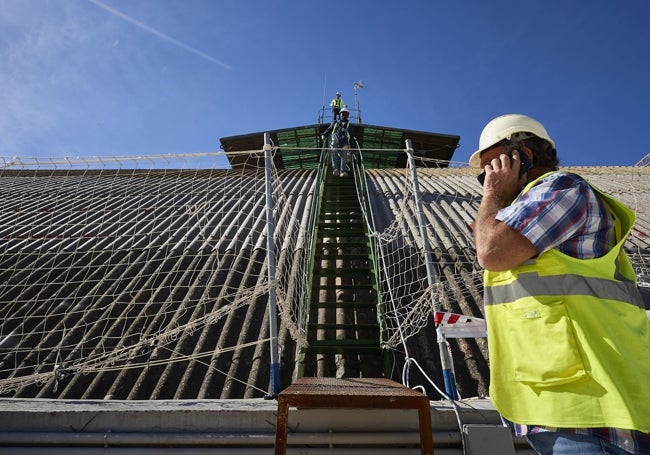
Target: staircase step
353	228
342	256
325	326
333	218
346	243
353	304
331	239
344	232
344	347
343	287
344	272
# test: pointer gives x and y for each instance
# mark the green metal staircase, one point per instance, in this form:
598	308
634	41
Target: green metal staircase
343	327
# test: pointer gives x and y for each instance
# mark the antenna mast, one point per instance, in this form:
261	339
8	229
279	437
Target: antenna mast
321	115
357	85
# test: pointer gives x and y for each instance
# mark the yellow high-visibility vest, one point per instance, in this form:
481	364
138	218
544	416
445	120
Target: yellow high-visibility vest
569	339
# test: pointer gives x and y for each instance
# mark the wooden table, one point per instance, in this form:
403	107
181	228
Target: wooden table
361	393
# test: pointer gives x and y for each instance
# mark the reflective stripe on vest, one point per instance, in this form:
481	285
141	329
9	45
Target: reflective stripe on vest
527	284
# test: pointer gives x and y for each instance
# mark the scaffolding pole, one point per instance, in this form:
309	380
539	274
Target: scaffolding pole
445	358
274	381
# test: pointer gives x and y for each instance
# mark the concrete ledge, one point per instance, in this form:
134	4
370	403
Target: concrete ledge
236	426
256	415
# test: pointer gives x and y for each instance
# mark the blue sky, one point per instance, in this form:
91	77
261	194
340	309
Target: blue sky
137	77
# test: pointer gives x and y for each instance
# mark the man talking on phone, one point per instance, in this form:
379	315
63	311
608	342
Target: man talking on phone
568	336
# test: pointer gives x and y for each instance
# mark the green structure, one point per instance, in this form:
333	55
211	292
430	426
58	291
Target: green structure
344	318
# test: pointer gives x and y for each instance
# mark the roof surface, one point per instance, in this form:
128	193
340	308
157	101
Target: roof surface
120	255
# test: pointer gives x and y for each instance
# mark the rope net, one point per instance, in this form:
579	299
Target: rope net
147	277
410	291
143	267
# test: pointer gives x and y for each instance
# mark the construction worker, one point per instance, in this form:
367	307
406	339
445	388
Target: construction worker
336	104
342	135
568	335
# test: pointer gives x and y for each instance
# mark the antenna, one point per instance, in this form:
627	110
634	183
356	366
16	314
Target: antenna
322	109
357	85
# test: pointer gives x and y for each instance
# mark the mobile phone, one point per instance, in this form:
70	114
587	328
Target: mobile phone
525	163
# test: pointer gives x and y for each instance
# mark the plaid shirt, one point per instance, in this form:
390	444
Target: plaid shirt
563	212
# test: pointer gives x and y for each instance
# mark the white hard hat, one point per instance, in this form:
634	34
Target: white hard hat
345	109
512	127
338	94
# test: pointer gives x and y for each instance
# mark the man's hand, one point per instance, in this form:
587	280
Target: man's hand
498	246
502	177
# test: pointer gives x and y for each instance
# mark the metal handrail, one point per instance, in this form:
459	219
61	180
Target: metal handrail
358	170
325	115
314	210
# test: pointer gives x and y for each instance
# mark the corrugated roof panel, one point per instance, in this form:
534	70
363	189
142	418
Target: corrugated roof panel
140	253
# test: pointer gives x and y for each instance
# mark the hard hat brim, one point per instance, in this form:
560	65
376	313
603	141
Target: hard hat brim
475	159
508	127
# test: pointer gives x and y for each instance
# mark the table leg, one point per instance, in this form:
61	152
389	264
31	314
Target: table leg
426	437
281	427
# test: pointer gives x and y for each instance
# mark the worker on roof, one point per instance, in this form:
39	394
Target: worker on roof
568	335
341	136
336	104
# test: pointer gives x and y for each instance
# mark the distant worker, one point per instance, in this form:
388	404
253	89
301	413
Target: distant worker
342	136
336	105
